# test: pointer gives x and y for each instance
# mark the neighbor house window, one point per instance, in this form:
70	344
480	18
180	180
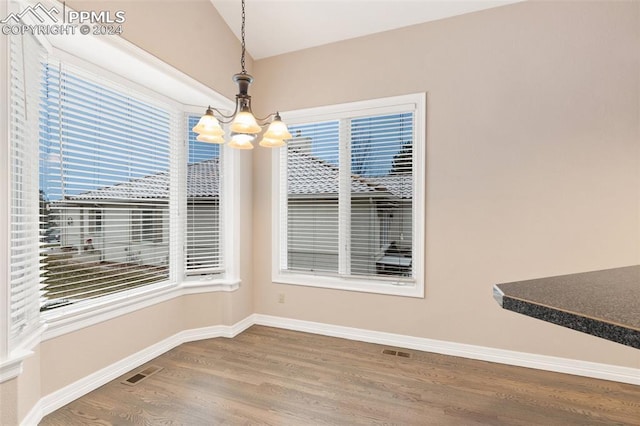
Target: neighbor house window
95	221
105	172
349	197
146	225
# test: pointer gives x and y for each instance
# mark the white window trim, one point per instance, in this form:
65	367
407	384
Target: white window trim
120	61
416	102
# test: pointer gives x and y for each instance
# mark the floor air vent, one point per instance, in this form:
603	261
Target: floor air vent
141	375
396	353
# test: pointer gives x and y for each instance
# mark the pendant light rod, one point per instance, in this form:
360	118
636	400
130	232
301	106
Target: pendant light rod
242	66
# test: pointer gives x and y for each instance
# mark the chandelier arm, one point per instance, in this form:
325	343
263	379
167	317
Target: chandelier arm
263	119
273	114
226	119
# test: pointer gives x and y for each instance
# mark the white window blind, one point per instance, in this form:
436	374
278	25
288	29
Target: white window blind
350	196
25	59
105	170
312	198
203	189
381	220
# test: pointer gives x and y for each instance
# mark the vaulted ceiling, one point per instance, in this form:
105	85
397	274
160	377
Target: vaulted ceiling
274	27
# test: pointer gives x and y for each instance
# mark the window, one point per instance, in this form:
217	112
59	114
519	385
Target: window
95	221
203	254
146	225
349	192
106	176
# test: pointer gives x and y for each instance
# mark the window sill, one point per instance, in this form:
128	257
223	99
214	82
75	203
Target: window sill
386	287
205	283
72	318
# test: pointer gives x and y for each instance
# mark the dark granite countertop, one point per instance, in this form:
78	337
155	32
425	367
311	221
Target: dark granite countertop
602	303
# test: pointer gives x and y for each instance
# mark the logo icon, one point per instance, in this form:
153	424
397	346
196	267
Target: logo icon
38	11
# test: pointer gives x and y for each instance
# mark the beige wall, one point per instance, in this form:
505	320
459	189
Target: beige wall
533	158
28	386
9	402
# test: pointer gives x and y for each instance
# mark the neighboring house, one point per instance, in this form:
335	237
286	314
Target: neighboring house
380	218
129	221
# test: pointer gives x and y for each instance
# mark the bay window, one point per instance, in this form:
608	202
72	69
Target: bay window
113	204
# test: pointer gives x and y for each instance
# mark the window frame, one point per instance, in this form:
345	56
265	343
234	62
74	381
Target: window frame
69	318
95	220
195	274
229	203
387	285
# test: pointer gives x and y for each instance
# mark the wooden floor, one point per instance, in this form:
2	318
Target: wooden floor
279	377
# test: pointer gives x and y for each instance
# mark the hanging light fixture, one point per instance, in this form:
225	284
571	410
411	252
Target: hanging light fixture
244	126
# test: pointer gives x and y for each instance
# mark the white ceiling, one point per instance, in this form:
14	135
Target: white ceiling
274	27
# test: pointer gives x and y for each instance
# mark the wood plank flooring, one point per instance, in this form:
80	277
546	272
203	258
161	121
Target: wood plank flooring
280	377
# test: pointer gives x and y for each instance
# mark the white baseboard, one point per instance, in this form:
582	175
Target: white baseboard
85	385
75	390
501	356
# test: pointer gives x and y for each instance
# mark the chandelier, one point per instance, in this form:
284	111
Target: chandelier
244	126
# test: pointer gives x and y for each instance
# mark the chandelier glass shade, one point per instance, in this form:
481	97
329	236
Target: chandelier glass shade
243	124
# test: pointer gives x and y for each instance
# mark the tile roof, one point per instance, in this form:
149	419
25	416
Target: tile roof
147	187
203	181
400	185
309	175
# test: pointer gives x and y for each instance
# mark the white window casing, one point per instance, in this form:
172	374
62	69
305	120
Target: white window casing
348	197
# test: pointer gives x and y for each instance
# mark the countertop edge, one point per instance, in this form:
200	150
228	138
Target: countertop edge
614	332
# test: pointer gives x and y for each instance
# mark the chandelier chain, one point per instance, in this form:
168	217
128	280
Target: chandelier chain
244	71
